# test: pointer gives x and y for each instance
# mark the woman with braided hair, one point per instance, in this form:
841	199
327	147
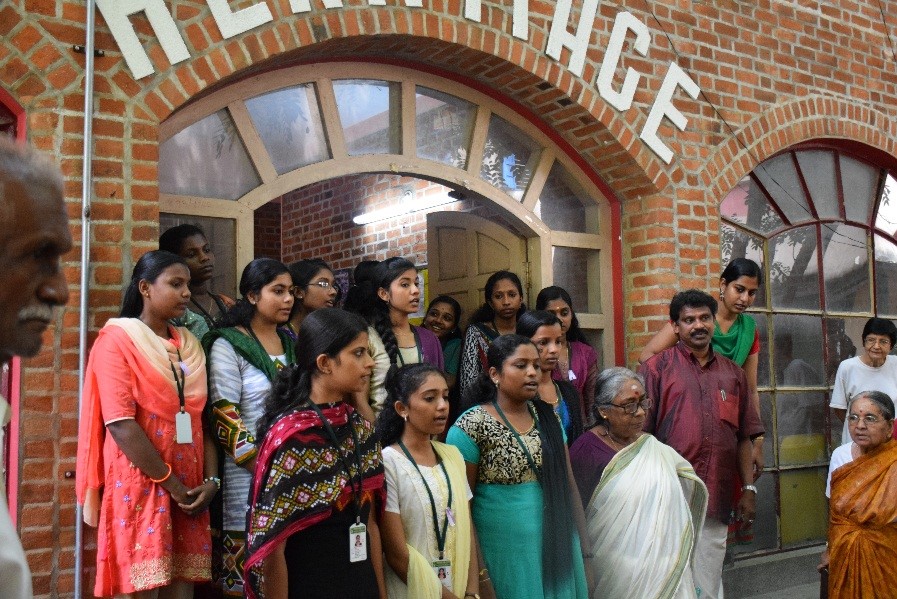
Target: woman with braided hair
390	295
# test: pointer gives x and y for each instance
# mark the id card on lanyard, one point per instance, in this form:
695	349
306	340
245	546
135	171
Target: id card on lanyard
441	567
183	425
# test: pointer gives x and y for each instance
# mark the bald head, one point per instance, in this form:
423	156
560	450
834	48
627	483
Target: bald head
34	234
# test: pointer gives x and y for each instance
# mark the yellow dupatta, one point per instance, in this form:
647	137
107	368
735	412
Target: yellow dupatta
422	581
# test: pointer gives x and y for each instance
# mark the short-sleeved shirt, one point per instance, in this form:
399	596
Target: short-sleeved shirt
840	456
702	412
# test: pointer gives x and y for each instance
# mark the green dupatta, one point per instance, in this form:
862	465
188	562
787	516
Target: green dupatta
735	344
251	349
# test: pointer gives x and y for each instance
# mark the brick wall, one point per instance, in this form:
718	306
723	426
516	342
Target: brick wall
267	231
778	72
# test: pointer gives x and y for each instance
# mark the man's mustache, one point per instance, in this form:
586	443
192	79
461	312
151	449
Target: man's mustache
38	312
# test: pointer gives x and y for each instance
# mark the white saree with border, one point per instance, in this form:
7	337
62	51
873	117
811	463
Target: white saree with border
644	518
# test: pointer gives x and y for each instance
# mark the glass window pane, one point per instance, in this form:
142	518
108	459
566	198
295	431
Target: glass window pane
800	420
804	506
860	184
763	379
766	522
221	233
845	264
844	340
780	179
563	205
738	244
818	169
444	124
509	158
885	276
747	205
797	352
289	123
370	115
208	160
793	272
766	410
886	218
571	271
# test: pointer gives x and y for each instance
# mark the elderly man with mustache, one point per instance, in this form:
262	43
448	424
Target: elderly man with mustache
34	234
702	409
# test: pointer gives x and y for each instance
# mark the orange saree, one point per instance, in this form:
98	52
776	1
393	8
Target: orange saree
863	526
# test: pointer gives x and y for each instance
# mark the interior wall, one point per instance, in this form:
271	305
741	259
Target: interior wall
316	221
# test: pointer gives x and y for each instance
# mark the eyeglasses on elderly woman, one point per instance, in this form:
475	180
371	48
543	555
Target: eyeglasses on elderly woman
868	419
631	408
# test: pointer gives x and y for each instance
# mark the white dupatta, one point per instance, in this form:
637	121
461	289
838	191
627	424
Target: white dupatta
644	518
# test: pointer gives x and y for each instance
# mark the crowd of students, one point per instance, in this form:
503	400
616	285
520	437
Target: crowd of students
276	445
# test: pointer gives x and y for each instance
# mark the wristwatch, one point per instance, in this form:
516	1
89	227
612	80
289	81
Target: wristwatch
749	488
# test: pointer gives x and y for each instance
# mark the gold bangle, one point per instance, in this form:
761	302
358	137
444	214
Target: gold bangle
484	571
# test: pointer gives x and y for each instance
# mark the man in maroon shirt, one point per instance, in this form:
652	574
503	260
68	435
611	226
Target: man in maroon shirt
702	409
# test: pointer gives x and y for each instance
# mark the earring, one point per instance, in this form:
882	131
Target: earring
405	417
496	383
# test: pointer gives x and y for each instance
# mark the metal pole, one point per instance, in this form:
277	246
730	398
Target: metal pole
86	196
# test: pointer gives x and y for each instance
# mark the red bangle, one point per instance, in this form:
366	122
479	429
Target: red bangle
164	478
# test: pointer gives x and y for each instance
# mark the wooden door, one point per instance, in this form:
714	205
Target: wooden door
463	250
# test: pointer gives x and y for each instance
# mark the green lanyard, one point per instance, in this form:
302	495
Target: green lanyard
334	440
440	536
420	355
529	457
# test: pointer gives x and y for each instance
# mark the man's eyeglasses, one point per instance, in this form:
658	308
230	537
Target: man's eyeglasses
632	407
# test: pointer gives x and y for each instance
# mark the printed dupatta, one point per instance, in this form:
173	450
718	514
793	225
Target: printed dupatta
298	480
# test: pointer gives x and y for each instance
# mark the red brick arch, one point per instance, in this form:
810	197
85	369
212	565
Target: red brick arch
789	124
483	56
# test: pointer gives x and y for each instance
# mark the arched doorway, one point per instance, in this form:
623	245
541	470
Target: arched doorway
234	151
820	220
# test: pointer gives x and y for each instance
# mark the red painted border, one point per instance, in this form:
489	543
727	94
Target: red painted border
13	393
569	151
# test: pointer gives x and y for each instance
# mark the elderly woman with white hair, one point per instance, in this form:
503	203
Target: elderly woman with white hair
644	503
862	534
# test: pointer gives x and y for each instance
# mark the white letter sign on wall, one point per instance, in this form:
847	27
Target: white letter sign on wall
663	107
232	24
116	13
624	23
559	37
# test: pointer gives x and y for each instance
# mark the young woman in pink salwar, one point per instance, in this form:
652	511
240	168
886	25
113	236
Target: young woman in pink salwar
145	468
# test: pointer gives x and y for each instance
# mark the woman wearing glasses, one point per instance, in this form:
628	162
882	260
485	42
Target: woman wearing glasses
639	494
315	288
862	533
874	369
245	354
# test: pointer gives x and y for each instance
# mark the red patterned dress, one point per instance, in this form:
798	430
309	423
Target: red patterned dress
144	540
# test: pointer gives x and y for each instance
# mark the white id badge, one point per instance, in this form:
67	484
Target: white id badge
183	428
443	570
358	543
